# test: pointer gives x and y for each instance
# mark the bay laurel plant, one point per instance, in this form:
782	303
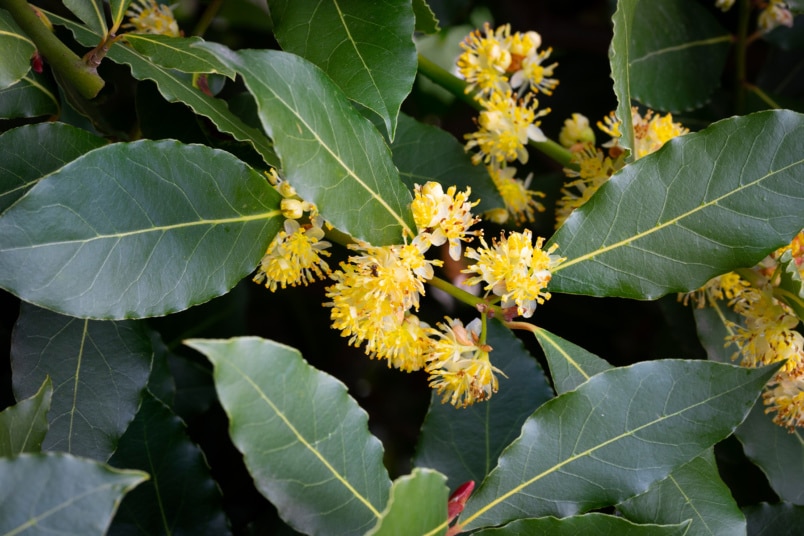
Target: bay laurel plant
188	197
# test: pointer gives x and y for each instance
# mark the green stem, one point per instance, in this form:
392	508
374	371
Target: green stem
764	97
457	87
64	61
740	56
466	297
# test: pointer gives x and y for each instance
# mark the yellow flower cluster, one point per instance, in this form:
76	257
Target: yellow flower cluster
148	16
507	70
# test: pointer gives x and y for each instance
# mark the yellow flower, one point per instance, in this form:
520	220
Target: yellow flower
724	5
519	201
443	217
405	345
576	130
652	131
148	16
785	395
514	269
593	170
294	256
776	13
505	126
723	287
533	74
485	59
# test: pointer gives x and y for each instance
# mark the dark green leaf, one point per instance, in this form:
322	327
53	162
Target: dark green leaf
365	47
677	53
118	10
137	229
304	439
17	51
782	519
56	493
176	87
712	325
612	437
28	98
332	155
791	285
178	53
23	426
704	204
91	13
692	492
597	524
99	370
417	505
181	497
777	452
32	151
570	365
161	383
426	153
464	443
426	21
620	60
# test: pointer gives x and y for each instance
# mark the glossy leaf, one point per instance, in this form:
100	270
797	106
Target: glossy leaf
417	505
570	365
181	497
32	151
791	285
305	441
28	98
331	154
426	153
426	21
98	369
91	13
56	493
137	229
118	11
705	203
692	492
597	524
777	452
464	443
620	60
17	51
612	437
365	47
176	87
678	41
783	519
23	426
180	53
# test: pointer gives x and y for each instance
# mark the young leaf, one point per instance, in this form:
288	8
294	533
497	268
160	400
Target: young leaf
620	60
597	524
180	53
28	98
57	493
705	203
612	437
464	443
180	497
692	492
331	154
365	47
17	51
137	229
680	41
417	505
23	426
32	151
570	365
99	370
304	439
426	153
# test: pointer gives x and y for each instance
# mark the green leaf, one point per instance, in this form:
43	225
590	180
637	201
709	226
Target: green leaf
570	365
17	51
791	286
305	441
417	505
712	325
32	151
137	229
56	493
704	204
597	524
366	48
464	443
331	154
426	153
118	10
181	497
426	21
777	452
612	437
91	13
620	60
176	87
99	370
782	519
23	426
677	52
180	53
691	492
28	98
